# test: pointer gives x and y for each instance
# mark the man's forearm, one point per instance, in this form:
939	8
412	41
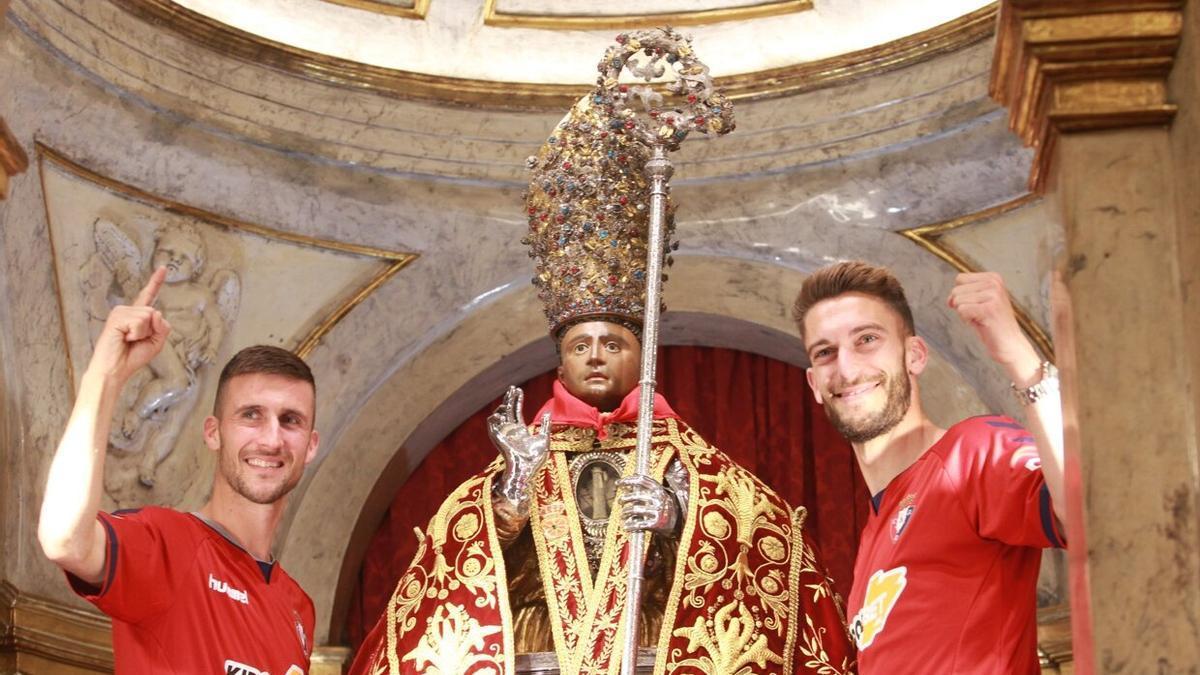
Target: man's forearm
1045	422
68	530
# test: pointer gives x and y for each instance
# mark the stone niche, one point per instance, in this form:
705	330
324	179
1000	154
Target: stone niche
380	236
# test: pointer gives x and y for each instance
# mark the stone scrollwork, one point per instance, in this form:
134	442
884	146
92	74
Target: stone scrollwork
200	307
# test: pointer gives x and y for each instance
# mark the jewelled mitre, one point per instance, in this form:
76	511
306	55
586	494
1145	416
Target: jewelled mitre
588	201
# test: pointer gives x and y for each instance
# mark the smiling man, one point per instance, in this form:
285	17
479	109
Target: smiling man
947	565
189	592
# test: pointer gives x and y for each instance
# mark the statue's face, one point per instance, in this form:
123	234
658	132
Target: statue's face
179	254
600	363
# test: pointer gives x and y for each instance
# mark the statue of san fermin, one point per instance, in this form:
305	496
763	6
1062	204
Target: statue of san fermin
532	555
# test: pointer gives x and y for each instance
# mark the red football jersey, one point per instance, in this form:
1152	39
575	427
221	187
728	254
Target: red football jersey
185	599
946	575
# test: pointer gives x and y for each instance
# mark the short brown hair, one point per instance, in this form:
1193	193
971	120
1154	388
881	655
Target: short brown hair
853	276
263	359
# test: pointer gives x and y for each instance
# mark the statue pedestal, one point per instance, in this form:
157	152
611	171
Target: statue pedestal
546	663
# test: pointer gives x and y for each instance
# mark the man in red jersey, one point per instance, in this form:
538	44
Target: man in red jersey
198	592
947	565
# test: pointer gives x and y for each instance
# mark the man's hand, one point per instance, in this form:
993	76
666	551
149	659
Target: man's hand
132	335
982	301
68	531
646	505
524	454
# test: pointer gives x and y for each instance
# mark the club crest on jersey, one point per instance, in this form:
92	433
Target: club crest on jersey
300	634
904	515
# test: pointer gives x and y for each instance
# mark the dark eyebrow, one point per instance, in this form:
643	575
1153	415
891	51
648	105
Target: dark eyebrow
869	326
603	337
816	344
298	413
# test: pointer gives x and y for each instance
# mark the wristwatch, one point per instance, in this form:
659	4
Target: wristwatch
1035	392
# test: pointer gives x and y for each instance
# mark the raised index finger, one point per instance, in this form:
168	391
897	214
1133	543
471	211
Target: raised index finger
519	407
147	295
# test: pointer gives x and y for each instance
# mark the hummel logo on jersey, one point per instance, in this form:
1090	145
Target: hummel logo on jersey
233	593
883	590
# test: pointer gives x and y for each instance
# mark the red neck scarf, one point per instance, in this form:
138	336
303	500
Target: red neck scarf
565	408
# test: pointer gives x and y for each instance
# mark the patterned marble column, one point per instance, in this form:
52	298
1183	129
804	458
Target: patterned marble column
1099	89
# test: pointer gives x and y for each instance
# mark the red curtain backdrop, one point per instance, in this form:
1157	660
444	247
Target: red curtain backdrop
757	410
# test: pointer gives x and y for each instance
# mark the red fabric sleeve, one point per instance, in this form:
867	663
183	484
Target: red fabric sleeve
1002	483
138	581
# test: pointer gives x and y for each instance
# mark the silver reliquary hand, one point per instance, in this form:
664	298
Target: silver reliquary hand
524	453
647	505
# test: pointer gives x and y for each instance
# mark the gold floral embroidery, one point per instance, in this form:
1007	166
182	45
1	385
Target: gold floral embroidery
730	644
452	643
743	577
586	613
812	637
461	561
738	576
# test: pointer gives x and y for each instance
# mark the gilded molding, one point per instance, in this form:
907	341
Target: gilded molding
329	660
33	626
770	83
494	17
929	237
1062	66
52	632
418	10
13	159
393	261
1054	638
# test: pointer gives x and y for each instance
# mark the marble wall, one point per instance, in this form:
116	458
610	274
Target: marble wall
828	175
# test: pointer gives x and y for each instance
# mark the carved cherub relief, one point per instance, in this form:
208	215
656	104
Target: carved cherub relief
200	308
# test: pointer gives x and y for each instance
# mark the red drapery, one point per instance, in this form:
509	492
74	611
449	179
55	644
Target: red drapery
757	410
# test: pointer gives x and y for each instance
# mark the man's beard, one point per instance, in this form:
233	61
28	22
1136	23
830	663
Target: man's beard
269	496
860	430
263	494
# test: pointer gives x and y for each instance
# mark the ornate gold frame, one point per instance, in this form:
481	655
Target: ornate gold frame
40	631
929	237
783	81
52	631
1062	67
418	11
395	261
492	17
